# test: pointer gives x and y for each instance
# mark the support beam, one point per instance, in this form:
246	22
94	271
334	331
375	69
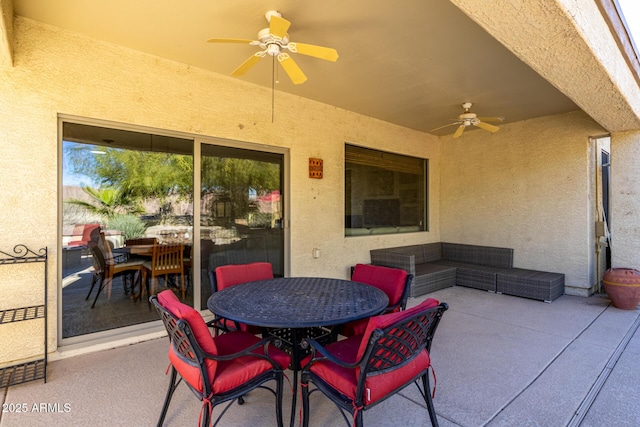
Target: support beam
6	33
625	199
570	44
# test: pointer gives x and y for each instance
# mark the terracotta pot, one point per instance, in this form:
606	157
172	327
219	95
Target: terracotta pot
623	287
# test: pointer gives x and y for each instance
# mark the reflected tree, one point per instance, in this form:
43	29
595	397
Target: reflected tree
235	179
137	175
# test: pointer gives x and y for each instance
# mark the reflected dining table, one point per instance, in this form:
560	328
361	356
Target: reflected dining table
298	306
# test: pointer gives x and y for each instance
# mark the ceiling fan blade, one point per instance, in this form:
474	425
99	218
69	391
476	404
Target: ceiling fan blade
491	119
243	41
487	126
278	26
445	126
326	53
459	131
293	71
246	65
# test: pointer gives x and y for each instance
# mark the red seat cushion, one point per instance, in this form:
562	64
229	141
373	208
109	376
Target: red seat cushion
223	375
87	229
350	350
201	332
233	373
234	274
390	280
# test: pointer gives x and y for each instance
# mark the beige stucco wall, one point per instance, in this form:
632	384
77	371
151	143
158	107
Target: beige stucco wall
56	72
625	200
527	187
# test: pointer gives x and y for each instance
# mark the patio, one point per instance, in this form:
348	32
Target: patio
499	360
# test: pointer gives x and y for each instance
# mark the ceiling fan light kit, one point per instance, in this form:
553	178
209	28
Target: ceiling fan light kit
274	41
467	118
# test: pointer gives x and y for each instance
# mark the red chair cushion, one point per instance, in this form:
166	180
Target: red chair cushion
345	380
350	350
87	229
357	327
201	332
390	280
233	373
224	375
234	274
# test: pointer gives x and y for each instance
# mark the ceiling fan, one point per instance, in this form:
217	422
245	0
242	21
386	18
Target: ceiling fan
467	118
274	41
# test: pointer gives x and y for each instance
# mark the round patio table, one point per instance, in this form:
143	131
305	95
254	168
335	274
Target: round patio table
296	307
298	302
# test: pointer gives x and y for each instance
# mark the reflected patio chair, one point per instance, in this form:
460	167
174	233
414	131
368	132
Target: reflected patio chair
235	274
394	282
361	371
216	369
107	267
167	259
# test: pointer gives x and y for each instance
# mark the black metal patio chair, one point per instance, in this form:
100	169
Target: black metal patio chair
216	369
361	371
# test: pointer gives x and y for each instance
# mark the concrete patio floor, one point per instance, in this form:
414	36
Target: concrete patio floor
499	361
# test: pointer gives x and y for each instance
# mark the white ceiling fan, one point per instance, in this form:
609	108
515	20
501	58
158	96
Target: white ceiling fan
274	41
467	118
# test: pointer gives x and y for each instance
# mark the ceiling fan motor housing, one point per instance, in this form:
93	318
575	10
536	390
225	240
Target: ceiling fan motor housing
271	13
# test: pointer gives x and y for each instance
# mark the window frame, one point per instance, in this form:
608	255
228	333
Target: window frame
387	198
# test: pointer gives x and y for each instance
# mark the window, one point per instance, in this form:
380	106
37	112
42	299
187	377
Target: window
384	192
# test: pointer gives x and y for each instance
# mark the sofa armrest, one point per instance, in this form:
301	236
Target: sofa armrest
394	259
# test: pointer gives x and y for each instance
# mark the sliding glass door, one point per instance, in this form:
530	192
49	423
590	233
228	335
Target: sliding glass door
123	185
241	210
117	186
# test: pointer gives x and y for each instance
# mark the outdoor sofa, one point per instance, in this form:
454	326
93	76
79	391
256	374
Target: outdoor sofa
440	265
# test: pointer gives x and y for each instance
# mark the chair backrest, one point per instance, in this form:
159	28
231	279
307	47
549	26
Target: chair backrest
188	333
167	259
234	274
104	246
99	263
394	282
392	340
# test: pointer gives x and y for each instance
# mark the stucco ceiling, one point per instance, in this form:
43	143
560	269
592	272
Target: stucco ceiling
409	62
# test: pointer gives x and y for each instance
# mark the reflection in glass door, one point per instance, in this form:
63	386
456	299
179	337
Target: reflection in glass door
121	191
241	210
